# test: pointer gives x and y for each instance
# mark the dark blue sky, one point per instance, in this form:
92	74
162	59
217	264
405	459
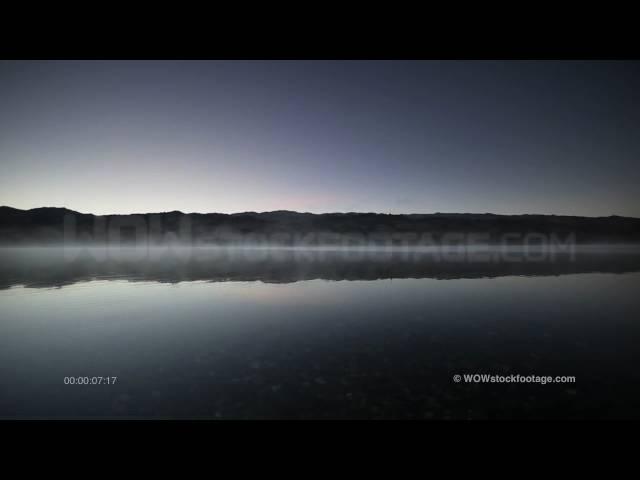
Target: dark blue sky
402	137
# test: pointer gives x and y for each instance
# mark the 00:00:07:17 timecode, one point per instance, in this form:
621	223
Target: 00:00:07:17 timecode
90	380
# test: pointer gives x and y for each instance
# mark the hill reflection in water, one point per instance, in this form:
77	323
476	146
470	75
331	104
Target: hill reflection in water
57	267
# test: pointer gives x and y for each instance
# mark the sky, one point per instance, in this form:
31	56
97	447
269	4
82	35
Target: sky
507	137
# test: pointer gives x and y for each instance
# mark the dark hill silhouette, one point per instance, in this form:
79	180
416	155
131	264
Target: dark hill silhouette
47	225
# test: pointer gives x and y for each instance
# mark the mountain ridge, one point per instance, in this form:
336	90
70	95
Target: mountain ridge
47	225
294	212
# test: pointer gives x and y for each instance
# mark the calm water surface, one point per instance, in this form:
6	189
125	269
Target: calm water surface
301	336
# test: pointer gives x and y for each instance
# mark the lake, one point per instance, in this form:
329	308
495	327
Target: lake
325	334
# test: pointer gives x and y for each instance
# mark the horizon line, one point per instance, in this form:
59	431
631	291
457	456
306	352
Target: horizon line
251	212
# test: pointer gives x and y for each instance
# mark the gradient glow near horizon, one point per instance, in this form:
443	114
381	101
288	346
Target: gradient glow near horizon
506	137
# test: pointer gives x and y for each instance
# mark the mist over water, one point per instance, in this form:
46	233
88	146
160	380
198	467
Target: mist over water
50	266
